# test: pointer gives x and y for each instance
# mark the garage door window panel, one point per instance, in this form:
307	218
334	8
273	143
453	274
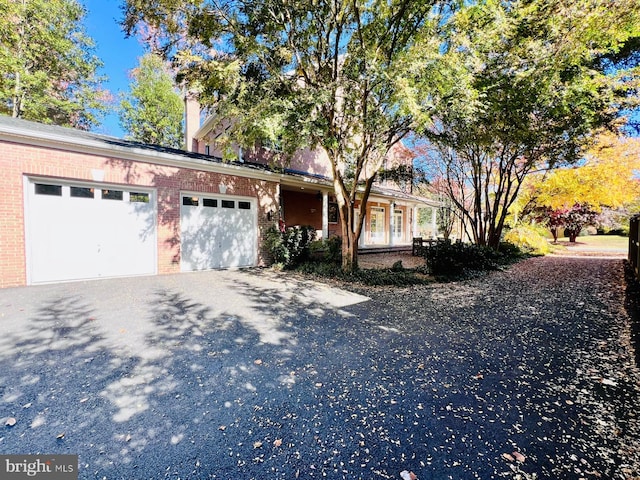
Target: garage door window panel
112	194
47	189
228	204
190	201
209	202
82	192
136	197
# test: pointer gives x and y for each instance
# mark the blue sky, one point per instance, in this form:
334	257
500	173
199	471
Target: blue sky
119	54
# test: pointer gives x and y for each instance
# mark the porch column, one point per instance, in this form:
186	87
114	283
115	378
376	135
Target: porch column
392	223
325	215
414	221
434	222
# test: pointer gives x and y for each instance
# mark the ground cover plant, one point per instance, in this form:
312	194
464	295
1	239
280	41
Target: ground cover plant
443	261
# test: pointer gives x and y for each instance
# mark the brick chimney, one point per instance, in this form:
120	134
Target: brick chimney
191	121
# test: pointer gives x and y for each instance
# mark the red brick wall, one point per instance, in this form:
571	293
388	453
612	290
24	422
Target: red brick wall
302	209
18	161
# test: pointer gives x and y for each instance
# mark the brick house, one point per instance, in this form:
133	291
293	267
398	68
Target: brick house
306	192
78	205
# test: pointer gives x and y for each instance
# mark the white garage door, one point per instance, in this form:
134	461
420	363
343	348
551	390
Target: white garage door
78	231
217	232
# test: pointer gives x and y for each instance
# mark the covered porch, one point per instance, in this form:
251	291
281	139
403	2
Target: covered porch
392	218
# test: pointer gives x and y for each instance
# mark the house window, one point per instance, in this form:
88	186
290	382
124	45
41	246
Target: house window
207	150
190	201
82	192
209	202
397	224
44	189
228	204
376	224
139	197
333	213
112	194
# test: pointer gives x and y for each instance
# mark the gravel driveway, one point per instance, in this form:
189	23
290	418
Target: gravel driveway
526	373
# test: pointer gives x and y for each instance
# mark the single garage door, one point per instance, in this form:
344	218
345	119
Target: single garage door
82	231
217	232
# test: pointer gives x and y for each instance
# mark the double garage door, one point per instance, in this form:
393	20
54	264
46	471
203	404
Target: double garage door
84	231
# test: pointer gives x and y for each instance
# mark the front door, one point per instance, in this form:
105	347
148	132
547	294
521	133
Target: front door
377	225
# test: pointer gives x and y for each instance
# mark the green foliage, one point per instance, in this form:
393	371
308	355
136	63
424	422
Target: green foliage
528	97
529	239
152	111
47	66
291	247
327	250
397	266
274	244
447	259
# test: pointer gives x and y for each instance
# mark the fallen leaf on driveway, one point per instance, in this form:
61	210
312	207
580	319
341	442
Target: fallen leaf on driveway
257	444
508	457
222	428
10	422
609	382
258	362
277	442
405	475
519	457
60	436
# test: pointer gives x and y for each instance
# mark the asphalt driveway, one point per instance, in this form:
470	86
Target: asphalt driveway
258	375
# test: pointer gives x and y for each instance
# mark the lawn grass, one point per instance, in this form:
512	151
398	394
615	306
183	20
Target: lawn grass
604	241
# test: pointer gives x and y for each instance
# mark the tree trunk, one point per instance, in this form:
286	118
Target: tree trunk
349	253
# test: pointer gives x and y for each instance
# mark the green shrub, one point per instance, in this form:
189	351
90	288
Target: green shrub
329	250
274	244
529	239
291	247
446	259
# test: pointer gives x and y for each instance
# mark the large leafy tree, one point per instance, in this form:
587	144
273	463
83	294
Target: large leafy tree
47	66
529	97
334	75
152	111
572	197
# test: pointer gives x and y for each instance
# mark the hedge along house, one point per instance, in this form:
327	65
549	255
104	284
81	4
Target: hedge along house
77	205
306	191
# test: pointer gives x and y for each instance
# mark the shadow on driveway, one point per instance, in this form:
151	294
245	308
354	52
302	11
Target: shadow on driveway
258	375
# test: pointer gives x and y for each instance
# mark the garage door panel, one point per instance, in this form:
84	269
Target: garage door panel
216	233
127	238
198	248
79	237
